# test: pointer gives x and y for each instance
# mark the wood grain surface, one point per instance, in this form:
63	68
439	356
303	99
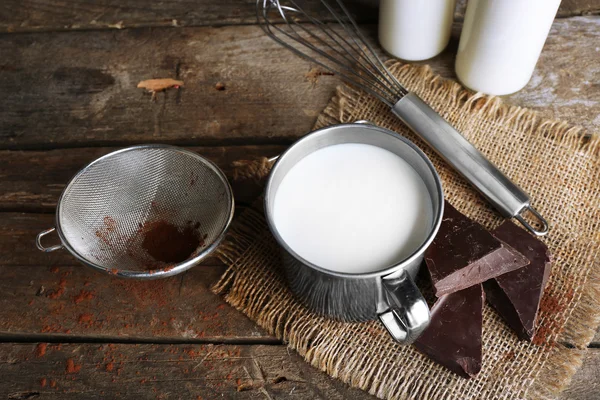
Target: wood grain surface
78	89
566	81
68	76
44	15
162	371
66	303
586	381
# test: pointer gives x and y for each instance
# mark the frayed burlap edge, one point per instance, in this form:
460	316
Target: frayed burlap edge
578	329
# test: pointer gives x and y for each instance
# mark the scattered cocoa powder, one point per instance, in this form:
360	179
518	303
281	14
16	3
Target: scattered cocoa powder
72	368
509	355
40	350
166	243
110	224
104	233
51	328
85	318
149	292
55	294
543	336
83	295
551	307
551	304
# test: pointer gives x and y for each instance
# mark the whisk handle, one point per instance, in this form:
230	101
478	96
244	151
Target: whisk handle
508	198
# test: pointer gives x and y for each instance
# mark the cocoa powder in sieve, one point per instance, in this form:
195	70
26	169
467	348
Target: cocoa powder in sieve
167	243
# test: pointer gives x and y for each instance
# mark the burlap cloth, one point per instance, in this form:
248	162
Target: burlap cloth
552	161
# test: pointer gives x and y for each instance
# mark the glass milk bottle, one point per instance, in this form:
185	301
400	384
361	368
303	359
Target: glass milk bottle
415	30
501	42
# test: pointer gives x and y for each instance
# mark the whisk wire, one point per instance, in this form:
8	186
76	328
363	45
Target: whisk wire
353	59
362	59
357	60
382	68
360	45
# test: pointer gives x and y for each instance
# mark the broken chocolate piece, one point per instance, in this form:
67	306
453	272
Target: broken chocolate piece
464	254
453	337
516	295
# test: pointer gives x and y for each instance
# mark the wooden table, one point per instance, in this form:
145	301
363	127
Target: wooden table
68	75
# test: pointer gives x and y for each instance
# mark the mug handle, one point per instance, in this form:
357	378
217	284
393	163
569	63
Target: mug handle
408	313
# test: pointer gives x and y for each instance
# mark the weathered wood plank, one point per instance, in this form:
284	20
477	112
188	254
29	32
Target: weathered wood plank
586	381
18	232
52	294
22	264
69	89
44	15
33	180
119	371
565	84
568	8
187	371
66	303
78	88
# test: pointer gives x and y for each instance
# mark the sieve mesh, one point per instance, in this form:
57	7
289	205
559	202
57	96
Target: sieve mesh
103	210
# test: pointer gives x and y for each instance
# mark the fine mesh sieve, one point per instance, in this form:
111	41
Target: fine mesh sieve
104	213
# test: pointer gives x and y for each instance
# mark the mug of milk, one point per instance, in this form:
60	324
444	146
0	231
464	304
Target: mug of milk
353	208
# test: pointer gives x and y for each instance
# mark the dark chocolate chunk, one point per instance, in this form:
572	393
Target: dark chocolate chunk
516	295
453	337
464	254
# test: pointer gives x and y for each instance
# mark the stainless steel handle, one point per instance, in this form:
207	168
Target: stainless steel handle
38	241
509	199
408	314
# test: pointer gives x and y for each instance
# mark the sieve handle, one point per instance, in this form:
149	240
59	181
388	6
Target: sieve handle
508	198
38	241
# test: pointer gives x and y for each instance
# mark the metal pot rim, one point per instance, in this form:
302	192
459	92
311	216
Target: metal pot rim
385	271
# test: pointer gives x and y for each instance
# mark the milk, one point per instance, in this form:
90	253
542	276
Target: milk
353	208
415	29
501	42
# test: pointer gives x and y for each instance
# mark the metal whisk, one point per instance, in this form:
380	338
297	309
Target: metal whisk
336	43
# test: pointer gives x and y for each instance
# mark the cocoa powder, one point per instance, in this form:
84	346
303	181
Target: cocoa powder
72	368
40	350
83	295
169	244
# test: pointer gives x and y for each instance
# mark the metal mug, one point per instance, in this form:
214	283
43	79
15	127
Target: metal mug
390	294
